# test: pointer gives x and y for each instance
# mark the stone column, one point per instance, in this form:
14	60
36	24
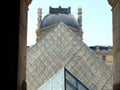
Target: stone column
116	42
21	77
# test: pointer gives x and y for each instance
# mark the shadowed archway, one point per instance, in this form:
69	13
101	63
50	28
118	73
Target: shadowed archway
17	61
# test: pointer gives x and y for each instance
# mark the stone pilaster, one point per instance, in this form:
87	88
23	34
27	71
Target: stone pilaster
116	42
21	77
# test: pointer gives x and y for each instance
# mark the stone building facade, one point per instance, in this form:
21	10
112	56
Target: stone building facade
105	53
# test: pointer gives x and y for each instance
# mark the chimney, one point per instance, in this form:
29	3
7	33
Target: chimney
39	17
80	17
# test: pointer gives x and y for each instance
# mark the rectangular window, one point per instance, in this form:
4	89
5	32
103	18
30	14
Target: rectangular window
103	58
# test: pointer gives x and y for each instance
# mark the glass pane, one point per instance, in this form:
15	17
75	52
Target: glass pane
56	78
58	87
71	79
46	86
81	87
69	87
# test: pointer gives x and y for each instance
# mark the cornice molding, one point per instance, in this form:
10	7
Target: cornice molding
113	2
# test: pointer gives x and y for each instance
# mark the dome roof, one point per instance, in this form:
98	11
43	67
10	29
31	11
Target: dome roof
67	19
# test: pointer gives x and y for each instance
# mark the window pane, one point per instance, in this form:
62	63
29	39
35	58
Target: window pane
58	87
71	79
81	87
103	58
57	78
46	86
69	87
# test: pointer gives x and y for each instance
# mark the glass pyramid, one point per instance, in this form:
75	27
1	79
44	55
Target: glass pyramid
63	80
60	47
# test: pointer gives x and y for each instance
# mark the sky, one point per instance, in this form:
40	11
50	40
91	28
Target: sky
96	19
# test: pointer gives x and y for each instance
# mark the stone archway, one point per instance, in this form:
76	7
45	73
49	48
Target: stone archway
21	85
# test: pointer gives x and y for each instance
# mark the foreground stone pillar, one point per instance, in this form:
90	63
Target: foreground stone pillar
116	42
21	83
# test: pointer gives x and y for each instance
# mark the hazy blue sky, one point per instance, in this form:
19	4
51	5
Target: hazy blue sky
96	19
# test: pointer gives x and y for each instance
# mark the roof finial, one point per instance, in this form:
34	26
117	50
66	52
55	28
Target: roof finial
59	4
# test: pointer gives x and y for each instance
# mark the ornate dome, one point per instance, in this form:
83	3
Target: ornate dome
57	15
67	19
